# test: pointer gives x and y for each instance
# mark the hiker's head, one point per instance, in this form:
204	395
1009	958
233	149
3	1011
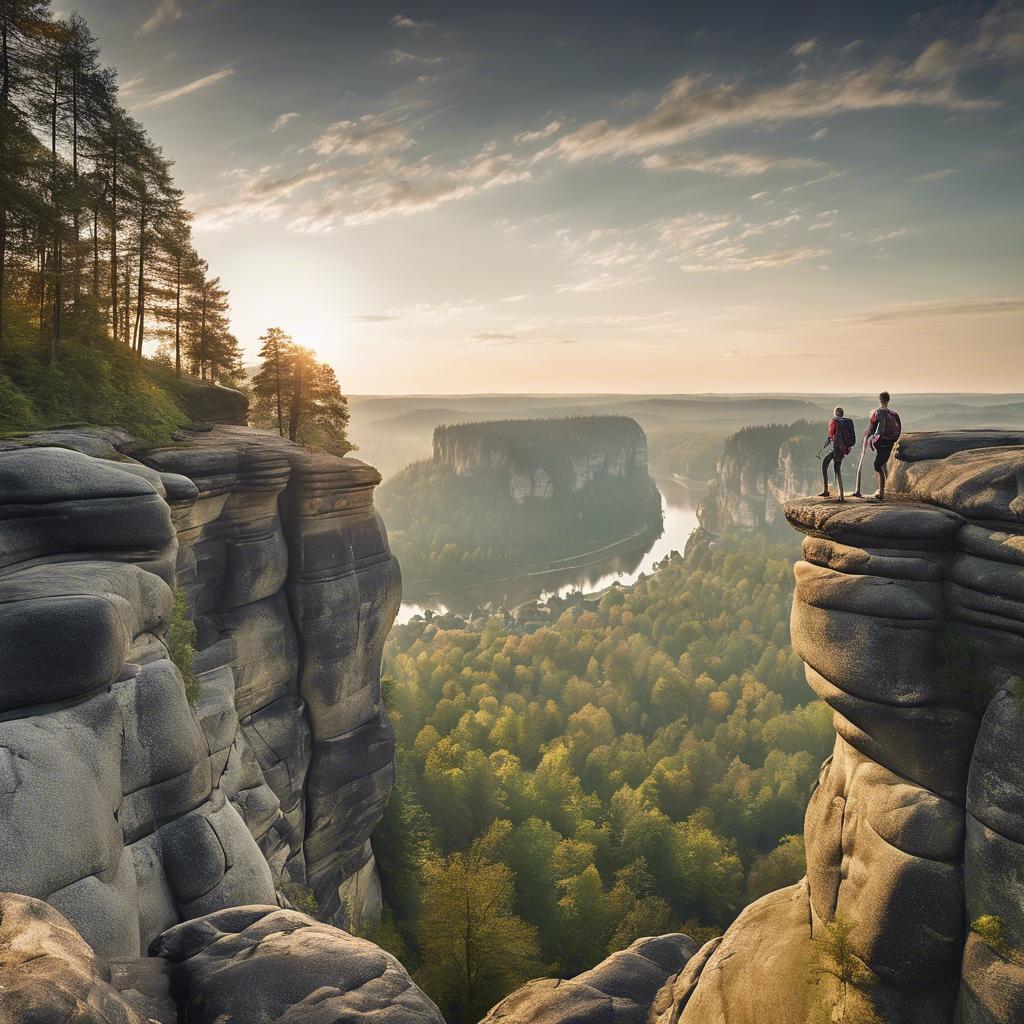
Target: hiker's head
884	398
837	411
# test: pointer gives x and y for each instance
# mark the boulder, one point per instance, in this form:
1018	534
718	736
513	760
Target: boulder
263	965
48	973
619	990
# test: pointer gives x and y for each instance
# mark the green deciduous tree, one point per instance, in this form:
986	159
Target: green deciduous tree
475	949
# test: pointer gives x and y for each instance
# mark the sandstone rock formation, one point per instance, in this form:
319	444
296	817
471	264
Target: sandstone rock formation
620	990
267	965
247	963
910	618
542	457
760	469
124	807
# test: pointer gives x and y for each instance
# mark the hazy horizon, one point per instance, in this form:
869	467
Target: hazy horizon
441	196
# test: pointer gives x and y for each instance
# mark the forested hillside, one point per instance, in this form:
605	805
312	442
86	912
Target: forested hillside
641	766
97	263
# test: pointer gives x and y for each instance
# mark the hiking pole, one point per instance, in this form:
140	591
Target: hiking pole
860	466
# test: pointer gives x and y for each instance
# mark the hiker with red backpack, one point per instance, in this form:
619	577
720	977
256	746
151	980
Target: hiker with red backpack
842	436
884	429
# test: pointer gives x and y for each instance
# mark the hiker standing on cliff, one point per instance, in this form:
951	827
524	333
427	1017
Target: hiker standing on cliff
884	429
842	436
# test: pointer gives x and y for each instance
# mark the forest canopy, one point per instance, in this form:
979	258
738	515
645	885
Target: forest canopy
641	766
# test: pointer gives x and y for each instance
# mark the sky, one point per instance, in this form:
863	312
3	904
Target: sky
608	197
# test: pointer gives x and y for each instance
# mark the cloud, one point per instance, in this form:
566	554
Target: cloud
494	338
186	90
729	165
936	175
804	48
404	57
402	21
264	195
284	119
963	307
387	187
373	318
819	134
602	283
939	60
552	128
166	11
701	242
695	106
871	236
372	135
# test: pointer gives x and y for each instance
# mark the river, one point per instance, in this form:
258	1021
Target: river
588	572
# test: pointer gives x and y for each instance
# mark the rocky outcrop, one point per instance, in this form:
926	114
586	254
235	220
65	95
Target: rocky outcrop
620	990
263	964
540	458
910	619
246	963
126	807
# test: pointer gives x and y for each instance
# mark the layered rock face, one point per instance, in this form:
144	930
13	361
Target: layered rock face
124	807
910	618
542	457
750	488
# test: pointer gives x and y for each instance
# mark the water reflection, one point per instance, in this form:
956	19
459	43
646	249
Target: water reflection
678	506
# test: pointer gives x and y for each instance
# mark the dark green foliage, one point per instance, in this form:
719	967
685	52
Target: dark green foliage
181	637
96	381
636	765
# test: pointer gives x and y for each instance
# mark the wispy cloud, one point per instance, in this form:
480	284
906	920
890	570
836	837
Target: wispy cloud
695	106
551	128
405	57
936	175
963	307
165	12
185	90
284	119
494	338
264	195
729	165
373	318
410	24
804	48
874	236
372	135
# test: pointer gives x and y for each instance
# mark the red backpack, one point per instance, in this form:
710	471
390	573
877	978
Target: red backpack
889	425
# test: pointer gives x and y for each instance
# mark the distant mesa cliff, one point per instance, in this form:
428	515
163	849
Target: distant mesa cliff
760	469
498	496
542	456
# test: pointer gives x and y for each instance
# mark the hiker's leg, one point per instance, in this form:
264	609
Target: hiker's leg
839	479
824	475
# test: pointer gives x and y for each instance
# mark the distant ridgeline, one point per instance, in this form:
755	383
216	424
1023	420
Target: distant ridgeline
508	494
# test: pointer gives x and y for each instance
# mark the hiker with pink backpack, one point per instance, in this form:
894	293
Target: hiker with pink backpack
842	436
884	429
